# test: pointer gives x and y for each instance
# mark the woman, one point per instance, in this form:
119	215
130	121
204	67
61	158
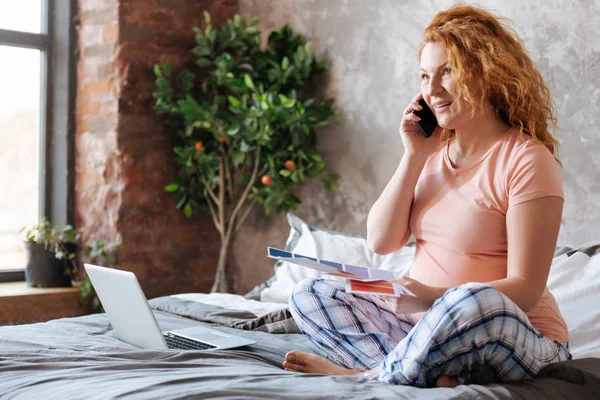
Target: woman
483	198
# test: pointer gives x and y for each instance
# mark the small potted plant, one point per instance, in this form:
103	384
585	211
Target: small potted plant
51	252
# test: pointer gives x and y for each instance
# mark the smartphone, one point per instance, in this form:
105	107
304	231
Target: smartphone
428	122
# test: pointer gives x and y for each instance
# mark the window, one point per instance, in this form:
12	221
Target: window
36	104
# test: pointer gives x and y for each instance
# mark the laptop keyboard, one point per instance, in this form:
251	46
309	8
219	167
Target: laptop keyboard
182	343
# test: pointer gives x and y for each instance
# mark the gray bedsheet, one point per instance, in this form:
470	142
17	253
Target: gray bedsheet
80	358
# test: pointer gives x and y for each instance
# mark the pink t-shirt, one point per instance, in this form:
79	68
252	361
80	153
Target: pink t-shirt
458	218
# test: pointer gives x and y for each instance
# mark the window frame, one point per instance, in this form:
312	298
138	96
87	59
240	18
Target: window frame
58	48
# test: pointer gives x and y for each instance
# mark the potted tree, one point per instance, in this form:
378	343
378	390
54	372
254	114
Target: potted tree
246	122
51	252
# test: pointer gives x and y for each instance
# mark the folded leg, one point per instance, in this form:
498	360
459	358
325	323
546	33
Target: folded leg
356	330
473	332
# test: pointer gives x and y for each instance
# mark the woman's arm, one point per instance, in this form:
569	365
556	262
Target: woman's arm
387	223
532	230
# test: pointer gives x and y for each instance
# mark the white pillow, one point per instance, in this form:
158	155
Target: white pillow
331	246
575	283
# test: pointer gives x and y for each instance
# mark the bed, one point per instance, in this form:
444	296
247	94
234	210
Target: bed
80	358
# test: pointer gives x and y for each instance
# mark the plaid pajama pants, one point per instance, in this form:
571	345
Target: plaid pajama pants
472	332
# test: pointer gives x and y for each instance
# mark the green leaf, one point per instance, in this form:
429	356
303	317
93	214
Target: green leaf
157	70
249	83
238	158
251	30
204	62
254	21
286	101
181	202
187	210
202	41
201	51
285	172
212	35
247	67
168	70
233	130
300	53
233	101
308	48
206	17
162	83
271	161
172	187
285	63
295	177
289	103
222	64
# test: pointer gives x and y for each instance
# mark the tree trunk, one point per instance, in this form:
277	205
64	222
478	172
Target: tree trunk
222	281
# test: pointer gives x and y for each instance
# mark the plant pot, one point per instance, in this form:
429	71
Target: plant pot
44	269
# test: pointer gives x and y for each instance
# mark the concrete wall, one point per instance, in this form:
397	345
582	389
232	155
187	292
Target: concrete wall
371	50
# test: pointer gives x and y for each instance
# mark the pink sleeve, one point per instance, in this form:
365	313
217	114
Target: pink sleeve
533	173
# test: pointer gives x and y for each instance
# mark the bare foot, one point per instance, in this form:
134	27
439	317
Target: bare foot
446	381
299	361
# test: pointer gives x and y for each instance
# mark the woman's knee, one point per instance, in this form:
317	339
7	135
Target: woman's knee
475	298
304	286
301	289
308	289
475	288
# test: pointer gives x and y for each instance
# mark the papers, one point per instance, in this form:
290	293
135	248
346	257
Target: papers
358	279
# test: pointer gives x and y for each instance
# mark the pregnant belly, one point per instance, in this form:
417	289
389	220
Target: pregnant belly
437	266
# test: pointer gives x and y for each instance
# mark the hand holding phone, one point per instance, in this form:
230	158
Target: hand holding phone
428	122
419	129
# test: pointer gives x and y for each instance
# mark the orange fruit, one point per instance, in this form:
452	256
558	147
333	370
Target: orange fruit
222	139
198	145
266	180
289	164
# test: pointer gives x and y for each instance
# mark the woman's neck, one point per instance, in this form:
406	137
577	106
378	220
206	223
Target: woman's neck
479	134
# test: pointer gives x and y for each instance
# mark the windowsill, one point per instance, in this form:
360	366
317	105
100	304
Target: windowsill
21	289
24	304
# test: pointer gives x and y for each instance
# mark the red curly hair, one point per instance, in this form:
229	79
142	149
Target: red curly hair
484	52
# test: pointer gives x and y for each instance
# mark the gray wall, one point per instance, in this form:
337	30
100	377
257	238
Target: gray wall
371	51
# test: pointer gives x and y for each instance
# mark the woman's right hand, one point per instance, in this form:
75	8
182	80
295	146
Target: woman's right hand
415	144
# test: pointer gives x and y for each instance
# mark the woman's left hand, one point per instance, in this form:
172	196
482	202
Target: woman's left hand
424	297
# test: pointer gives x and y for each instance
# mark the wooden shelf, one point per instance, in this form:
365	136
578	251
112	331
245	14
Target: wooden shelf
24	304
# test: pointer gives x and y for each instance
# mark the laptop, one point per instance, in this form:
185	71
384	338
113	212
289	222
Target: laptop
133	321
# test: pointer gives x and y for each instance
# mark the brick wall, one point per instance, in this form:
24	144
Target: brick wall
124	153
